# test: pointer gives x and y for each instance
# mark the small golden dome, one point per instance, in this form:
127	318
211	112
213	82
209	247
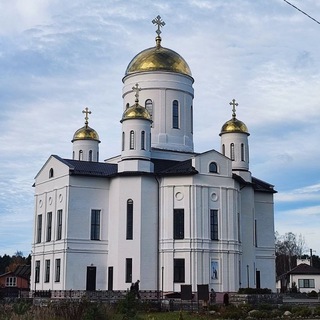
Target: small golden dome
86	133
136	112
158	59
234	125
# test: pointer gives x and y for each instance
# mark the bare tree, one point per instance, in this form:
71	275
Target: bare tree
288	248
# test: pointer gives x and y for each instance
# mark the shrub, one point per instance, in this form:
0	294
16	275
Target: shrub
316	311
260	314
21	307
302	311
128	306
313	294
265	307
232	312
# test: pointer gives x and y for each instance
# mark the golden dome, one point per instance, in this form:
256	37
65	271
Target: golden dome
158	59
86	133
136	112
234	125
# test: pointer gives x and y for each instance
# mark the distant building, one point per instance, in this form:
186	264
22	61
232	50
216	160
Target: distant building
11	283
158	212
304	278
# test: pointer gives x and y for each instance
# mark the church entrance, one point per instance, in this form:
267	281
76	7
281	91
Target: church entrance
258	284
110	278
91	278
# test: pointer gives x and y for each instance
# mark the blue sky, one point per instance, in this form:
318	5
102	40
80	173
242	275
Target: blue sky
57	57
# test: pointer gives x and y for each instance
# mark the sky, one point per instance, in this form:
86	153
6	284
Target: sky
58	57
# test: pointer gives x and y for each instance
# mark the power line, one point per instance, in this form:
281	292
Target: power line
301	11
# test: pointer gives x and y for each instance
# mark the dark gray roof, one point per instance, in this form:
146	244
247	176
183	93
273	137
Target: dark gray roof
23	271
87	168
262	186
168	167
102	169
258	185
304	268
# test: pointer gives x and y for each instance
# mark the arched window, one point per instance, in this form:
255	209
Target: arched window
90	155
127	105
97	156
149	106
232	151
175	114
191	119
129	231
73	154
242	152
223	149
80	155
51	173
131	139
143	140
213	167
123	136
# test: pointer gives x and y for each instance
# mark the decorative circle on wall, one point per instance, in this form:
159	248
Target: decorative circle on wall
40	203
179	196
60	197
50	200
214	196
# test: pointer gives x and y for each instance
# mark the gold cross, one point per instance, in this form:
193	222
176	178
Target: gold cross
234	104
136	89
86	111
160	23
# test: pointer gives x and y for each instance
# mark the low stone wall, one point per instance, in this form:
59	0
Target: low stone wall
255	299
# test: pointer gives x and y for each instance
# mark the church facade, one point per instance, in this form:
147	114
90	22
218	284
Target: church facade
158	212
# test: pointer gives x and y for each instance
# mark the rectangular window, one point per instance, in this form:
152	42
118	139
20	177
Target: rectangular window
306	283
255	234
11	282
49	226
175	115
59	224
178	271
37	272
143	139
58	269
131	140
178	223
214	230
95	224
39	228
47	274
128	270
129	220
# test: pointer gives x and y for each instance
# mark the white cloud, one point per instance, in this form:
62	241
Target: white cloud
308	193
19	15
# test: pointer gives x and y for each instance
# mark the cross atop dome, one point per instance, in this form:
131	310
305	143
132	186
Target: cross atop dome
160	23
234	104
86	111
136	89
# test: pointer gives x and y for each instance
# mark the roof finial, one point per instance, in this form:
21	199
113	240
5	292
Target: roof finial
86	111
234	104
160	23
136	89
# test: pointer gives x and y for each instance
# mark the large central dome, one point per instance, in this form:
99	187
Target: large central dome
158	59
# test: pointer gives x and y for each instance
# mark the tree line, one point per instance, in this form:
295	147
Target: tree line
9	263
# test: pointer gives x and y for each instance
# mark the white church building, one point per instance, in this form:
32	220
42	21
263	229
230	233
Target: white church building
158	212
